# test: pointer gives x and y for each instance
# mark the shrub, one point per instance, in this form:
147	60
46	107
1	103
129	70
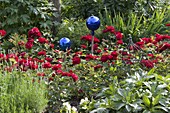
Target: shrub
21	15
19	94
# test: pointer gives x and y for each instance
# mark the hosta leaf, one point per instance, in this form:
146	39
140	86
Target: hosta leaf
119	105
146	101
100	110
121	92
146	111
128	108
161	107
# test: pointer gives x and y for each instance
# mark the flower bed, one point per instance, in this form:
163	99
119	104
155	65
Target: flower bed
73	75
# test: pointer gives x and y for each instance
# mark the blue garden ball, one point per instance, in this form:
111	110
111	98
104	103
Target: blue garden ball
65	43
93	23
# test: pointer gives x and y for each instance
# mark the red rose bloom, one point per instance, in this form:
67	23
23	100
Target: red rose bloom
42	53
168	24
52	46
98	66
33	65
110	29
46	65
76	60
74	76
147	63
56	67
29	45
2	32
34	32
146	40
119	35
119	42
89	38
42	40
104	58
140	44
83	46
49	59
41	74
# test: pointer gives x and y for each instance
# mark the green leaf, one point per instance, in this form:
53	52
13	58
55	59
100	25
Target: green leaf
119	105
121	92
151	71
146	101
146	111
128	108
156	100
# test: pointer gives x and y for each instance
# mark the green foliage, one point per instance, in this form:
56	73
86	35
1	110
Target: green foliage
84	8
18	94
73	30
137	26
137	93
21	15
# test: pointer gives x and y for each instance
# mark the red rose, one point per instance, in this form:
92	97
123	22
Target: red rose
89	57
140	44
41	74
95	47
119	42
168	24
118	35
34	32
2	32
89	38
46	65
29	45
42	53
33	65
56	67
49	59
74	76
83	46
76	60
110	29
147	63
52	46
99	51
98	66
42	40
146	40
104	58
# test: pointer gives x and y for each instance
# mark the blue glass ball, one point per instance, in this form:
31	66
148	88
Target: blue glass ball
93	23
65	43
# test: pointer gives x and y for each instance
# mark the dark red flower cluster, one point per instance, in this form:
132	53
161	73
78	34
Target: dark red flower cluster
118	34
42	40
97	66
110	29
42	53
161	37
69	74
168	24
91	57
89	38
56	67
147	63
33	33
163	47
2	32
76	60
46	65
